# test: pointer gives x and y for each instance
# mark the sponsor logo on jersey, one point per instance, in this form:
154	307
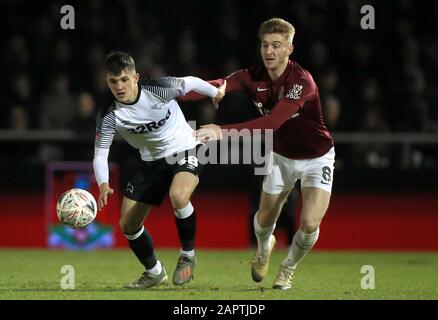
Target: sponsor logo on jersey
262	89
150	126
295	115
295	92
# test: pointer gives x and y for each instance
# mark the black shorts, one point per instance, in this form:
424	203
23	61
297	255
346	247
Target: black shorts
153	181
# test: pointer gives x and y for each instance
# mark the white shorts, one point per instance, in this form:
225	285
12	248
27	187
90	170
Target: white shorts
317	172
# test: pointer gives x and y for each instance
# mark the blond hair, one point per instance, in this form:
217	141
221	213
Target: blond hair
277	25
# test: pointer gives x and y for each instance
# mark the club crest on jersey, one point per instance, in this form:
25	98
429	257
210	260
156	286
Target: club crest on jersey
295	92
148	127
130	187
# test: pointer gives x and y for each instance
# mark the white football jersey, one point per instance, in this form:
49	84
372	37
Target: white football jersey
154	124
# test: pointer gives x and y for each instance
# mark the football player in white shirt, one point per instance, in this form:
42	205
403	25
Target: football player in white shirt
146	114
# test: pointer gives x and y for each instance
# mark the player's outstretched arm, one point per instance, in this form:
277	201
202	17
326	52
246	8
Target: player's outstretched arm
196	96
220	94
196	84
285	109
239	80
101	173
281	113
105	131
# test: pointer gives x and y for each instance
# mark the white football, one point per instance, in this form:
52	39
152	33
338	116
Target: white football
76	208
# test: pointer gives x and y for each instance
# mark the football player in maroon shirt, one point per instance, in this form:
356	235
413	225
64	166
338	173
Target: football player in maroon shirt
288	99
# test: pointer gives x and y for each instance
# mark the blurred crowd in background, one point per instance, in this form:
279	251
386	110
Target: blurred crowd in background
381	80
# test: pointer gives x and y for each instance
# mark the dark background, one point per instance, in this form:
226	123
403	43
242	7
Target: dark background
371	81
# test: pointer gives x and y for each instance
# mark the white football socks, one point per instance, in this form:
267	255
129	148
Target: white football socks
263	235
184	212
302	243
190	253
156	270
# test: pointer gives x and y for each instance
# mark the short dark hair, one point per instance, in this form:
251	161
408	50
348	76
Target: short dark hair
117	61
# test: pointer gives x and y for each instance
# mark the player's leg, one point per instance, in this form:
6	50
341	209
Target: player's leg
286	220
146	189
181	189
276	188
315	204
132	217
316	187
264	225
183	185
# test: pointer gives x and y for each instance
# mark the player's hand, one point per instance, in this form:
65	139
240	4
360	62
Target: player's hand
105	191
209	132
220	94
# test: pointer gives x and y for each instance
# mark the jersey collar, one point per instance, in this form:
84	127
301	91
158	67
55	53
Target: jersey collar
284	75
136	100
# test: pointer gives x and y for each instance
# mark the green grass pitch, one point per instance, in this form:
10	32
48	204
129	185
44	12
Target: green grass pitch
219	275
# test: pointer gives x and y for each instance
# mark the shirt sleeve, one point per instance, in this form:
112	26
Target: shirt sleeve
196	96
105	131
100	165
281	112
237	81
198	85
303	90
169	88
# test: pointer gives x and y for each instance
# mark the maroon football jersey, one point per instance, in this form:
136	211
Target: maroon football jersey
290	105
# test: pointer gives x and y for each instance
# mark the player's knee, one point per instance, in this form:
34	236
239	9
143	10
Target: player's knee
310	225
124	226
265	218
127	227
179	198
